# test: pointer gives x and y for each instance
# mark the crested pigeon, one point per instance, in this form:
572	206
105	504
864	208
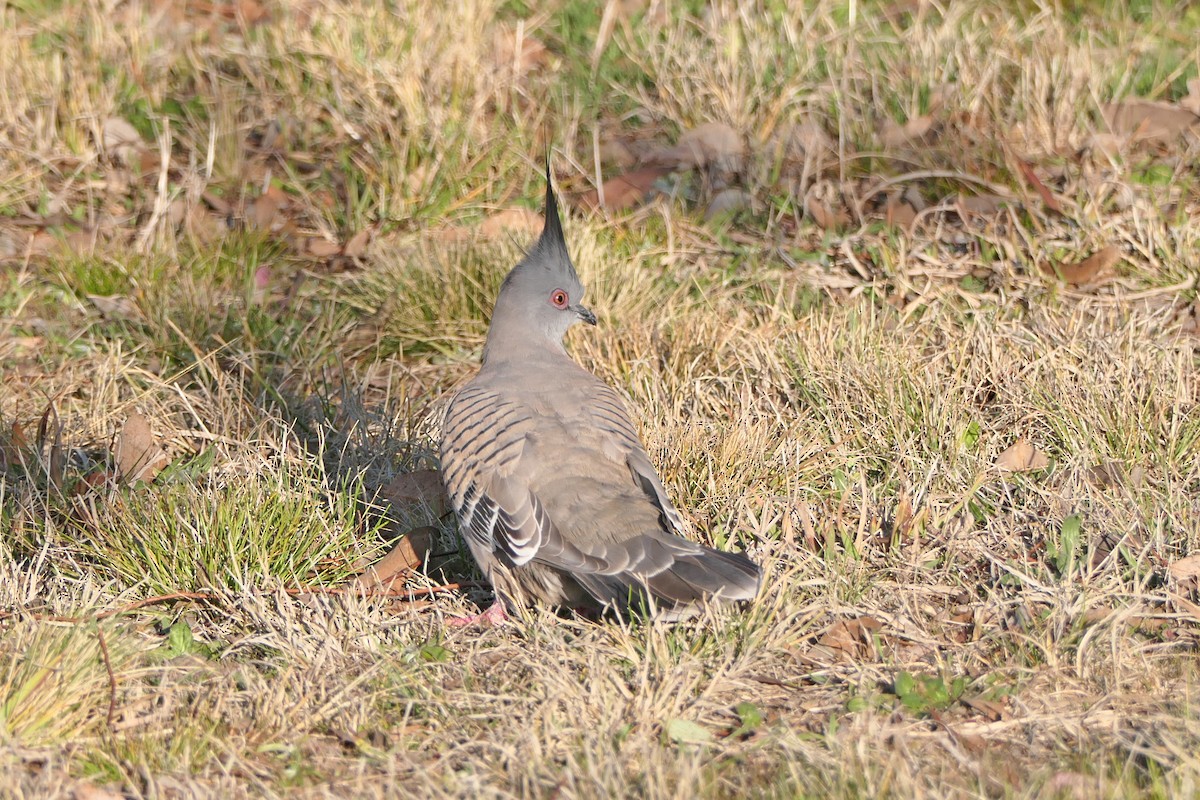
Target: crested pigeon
554	493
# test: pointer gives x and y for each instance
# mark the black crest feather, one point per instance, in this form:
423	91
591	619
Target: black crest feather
552	238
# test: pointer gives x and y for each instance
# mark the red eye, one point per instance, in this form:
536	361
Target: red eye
558	298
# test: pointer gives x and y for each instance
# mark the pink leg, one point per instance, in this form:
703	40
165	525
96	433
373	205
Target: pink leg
495	615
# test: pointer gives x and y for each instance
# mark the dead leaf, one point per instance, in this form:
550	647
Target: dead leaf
519	221
1043	191
115	307
317	247
850	639
712	145
139	458
1148	120
1107	145
518	51
982	205
356	245
263	212
805	140
19	439
1188	318
86	790
49	438
900	214
120	140
992	710
205	226
20	346
1185	570
1087	270
149	162
825	216
1192	101
40	244
1106	475
727	201
420	492
624	191
217	203
10	245
1069	785
1022	457
1183	604
915	131
894	12
616	153
12	447
409	553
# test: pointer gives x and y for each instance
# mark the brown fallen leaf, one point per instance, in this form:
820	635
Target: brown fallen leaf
916	130
13	446
41	243
1069	785
204	225
851	639
1188	317
409	553
1192	101
1087	270
1104	145
624	191
50	439
981	205
520	222
356	245
804	140
727	201
18	438
897	10
420	492
317	247
712	145
616	153
149	162
1181	603
516	50
217	203
262	212
1043	191
1148	120
992	710
86	790
826	216
1106	475
115	307
1022	457
899	213
138	456
120	140
1185	570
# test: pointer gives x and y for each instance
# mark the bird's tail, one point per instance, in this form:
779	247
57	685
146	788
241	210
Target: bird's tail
674	574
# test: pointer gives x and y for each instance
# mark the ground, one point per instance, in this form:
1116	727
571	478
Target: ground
902	295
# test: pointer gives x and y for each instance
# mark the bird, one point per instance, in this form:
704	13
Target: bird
553	490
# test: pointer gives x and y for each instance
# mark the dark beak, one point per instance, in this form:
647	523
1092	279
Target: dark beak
584	314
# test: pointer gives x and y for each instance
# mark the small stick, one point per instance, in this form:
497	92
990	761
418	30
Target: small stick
112	678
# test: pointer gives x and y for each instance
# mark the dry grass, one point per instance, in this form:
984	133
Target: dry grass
833	401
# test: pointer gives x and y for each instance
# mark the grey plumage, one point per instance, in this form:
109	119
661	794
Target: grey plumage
554	492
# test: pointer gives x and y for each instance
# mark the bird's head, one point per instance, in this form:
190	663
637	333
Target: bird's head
542	297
